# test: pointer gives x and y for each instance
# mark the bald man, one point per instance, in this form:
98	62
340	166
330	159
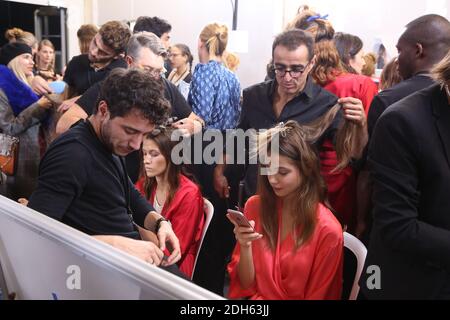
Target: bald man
425	42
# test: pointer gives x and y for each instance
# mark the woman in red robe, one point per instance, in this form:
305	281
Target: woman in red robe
340	75
173	195
295	249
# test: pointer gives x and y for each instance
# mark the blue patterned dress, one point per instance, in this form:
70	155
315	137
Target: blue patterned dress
215	96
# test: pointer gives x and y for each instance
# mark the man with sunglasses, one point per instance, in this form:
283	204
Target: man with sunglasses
292	95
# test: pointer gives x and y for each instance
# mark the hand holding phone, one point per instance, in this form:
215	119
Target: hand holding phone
245	238
240	219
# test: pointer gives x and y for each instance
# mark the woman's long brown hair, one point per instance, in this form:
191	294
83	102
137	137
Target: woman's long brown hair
296	142
165	146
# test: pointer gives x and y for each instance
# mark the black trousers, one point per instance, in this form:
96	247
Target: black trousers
219	241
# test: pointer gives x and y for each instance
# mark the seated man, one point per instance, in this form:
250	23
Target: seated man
83	181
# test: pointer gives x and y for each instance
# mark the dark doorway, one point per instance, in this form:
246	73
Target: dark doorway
46	22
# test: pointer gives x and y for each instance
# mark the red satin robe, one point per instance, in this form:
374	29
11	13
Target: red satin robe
313	272
185	212
342	185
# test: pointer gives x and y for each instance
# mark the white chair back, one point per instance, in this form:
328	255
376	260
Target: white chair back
209	212
359	250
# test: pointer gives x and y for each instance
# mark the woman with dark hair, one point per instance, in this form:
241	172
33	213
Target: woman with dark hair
294	250
351	51
330	73
181	60
173	195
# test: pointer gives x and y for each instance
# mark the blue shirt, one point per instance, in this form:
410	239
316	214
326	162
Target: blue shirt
215	96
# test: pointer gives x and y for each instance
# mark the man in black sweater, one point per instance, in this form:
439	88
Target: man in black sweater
83	181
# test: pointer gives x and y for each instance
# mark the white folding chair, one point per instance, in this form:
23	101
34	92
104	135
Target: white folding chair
209	212
360	252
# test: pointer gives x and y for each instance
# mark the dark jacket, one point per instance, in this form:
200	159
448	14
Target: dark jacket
410	167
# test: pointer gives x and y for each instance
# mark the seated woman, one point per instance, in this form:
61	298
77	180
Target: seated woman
21	113
173	195
296	250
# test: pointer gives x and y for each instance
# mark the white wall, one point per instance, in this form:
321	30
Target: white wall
261	18
383	19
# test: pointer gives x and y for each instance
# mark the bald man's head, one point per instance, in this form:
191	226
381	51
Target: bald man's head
425	42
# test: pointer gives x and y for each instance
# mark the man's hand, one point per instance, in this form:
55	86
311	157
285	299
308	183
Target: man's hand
354	111
221	183
66	105
144	250
40	86
188	126
167	236
44	103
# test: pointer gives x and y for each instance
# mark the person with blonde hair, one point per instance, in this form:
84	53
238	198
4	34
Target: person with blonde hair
21	113
19	35
215	91
85	35
45	61
410	167
370	60
231	60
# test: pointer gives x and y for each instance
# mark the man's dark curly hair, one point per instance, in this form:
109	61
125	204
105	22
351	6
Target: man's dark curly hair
115	35
155	25
126	90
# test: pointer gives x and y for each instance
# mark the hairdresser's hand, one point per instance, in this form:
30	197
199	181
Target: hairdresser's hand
221	183
166	236
40	86
23	202
354	111
66	105
44	103
188	126
245	236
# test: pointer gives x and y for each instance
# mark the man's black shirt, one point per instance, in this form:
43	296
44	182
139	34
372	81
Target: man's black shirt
84	185
258	113
80	76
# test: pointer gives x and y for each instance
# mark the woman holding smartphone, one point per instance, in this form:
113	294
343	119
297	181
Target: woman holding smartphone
295	249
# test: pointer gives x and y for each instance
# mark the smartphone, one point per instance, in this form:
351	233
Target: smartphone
240	219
